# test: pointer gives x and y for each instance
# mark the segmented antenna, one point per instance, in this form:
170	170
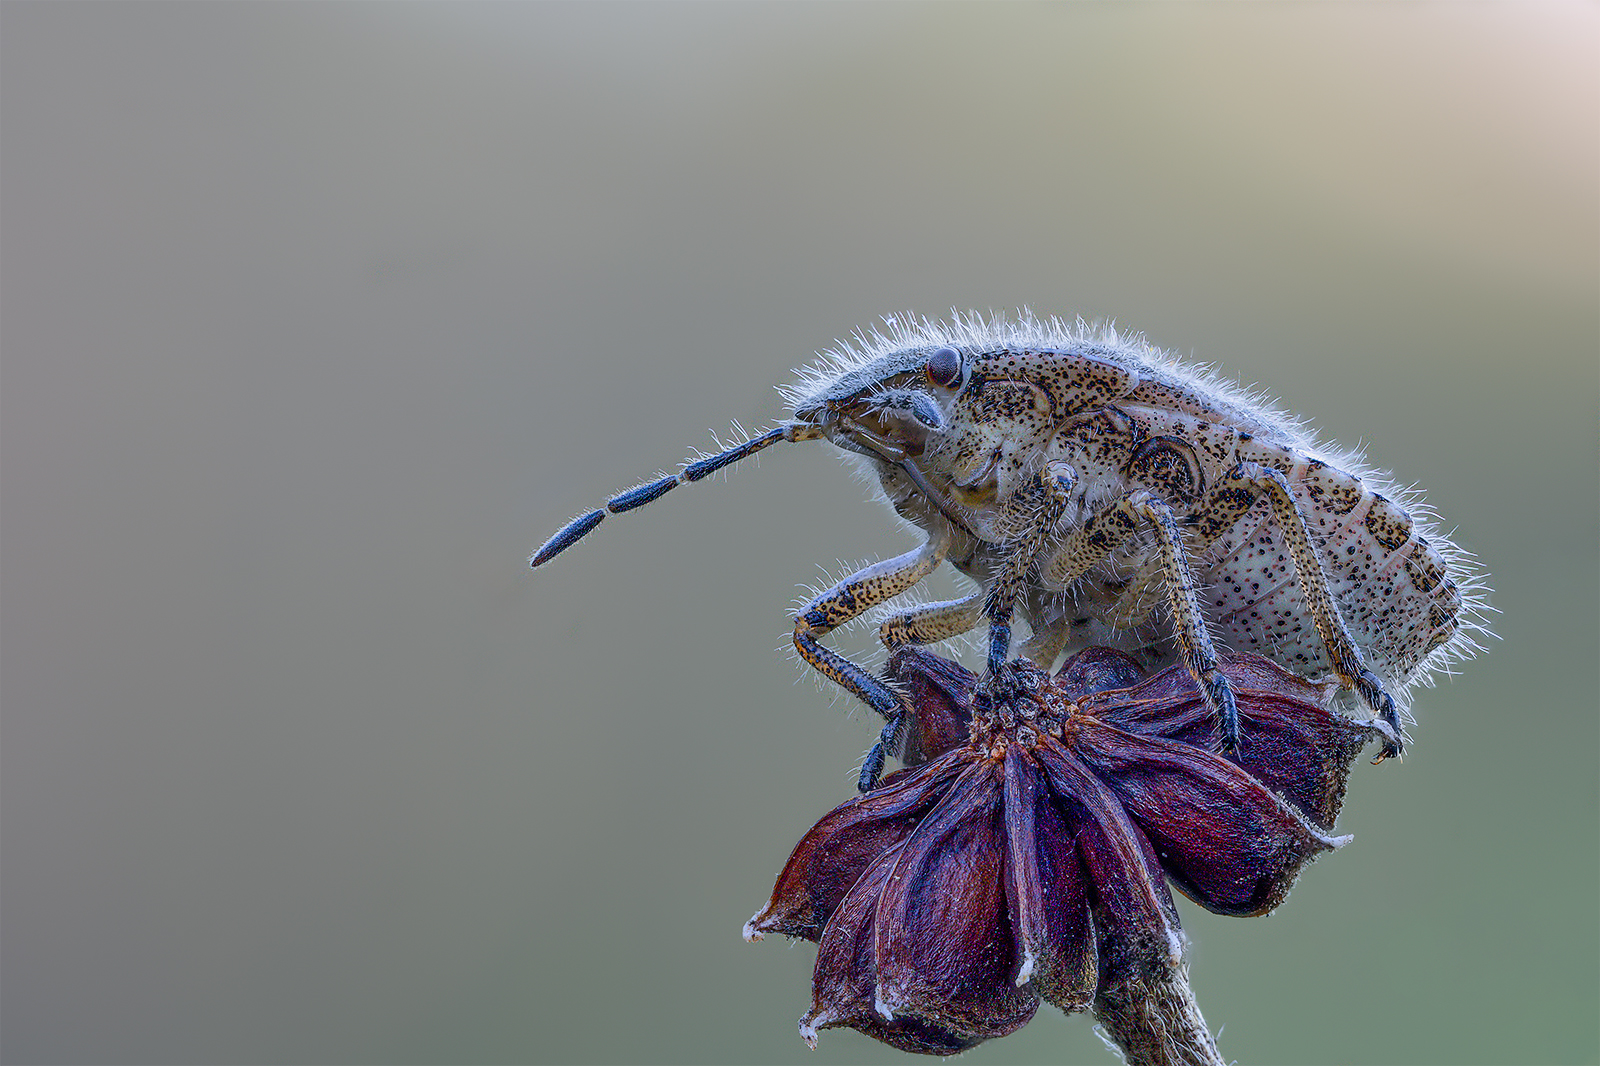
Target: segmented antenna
579	527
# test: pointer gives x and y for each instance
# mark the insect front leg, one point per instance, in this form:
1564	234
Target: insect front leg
1108	529
1054	485
1224	506
860	592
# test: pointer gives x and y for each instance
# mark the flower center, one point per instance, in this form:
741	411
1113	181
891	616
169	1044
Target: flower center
1017	706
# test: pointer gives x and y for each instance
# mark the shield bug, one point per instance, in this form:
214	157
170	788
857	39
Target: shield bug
1116	496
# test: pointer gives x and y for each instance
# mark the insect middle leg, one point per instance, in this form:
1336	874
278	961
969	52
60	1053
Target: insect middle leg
1054	484
860	592
1108	529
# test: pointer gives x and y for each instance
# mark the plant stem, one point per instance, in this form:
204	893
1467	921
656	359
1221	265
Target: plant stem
1152	1018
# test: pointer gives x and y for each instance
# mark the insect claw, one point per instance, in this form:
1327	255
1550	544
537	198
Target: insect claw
1219	693
871	768
1387	721
1393	742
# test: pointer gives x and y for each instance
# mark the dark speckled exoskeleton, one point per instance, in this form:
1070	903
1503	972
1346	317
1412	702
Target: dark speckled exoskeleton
1085	478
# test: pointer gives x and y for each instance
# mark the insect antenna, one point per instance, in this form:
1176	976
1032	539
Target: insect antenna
579	527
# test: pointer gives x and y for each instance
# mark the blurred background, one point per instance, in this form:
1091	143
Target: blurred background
318	318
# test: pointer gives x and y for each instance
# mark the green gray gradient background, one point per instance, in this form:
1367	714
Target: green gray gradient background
318	318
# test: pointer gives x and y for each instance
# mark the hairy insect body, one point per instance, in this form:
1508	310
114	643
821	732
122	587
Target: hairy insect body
1391	586
1113	496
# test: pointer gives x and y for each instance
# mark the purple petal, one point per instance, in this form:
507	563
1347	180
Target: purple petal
1047	890
1229	842
838	849
1289	740
844	983
1134	916
945	948
1298	746
941	693
1097	670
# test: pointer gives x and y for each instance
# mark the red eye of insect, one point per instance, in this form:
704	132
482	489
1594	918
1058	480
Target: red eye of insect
944	368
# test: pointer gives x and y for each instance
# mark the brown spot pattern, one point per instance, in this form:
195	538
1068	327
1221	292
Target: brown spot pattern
1388	524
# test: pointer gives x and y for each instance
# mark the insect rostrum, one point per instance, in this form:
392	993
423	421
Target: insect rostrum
1114	496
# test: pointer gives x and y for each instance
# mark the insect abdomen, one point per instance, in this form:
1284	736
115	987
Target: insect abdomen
1392	585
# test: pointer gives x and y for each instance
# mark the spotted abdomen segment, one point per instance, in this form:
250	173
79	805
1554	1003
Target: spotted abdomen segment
1392	587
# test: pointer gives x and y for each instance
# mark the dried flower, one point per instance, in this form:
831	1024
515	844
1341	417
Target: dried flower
1028	855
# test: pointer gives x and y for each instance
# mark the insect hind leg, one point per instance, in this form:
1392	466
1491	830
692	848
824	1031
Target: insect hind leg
1225	505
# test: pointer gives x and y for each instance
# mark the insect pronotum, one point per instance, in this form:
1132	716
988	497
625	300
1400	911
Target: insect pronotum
1087	479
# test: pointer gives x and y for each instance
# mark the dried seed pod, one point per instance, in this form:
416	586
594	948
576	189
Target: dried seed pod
1031	859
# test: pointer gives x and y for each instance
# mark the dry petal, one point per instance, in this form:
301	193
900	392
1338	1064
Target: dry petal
941	691
1288	739
1047	889
1129	889
945	948
844	983
1229	842
1098	670
832	856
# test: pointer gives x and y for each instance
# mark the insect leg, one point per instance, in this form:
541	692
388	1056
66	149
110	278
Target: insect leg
860	592
1102	534
1250	481
639	495
933	622
1046	645
1054	483
889	740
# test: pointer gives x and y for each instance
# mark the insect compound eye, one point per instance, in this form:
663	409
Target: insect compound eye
944	367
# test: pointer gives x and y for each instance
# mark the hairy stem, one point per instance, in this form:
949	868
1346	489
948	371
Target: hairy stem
1151	1017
